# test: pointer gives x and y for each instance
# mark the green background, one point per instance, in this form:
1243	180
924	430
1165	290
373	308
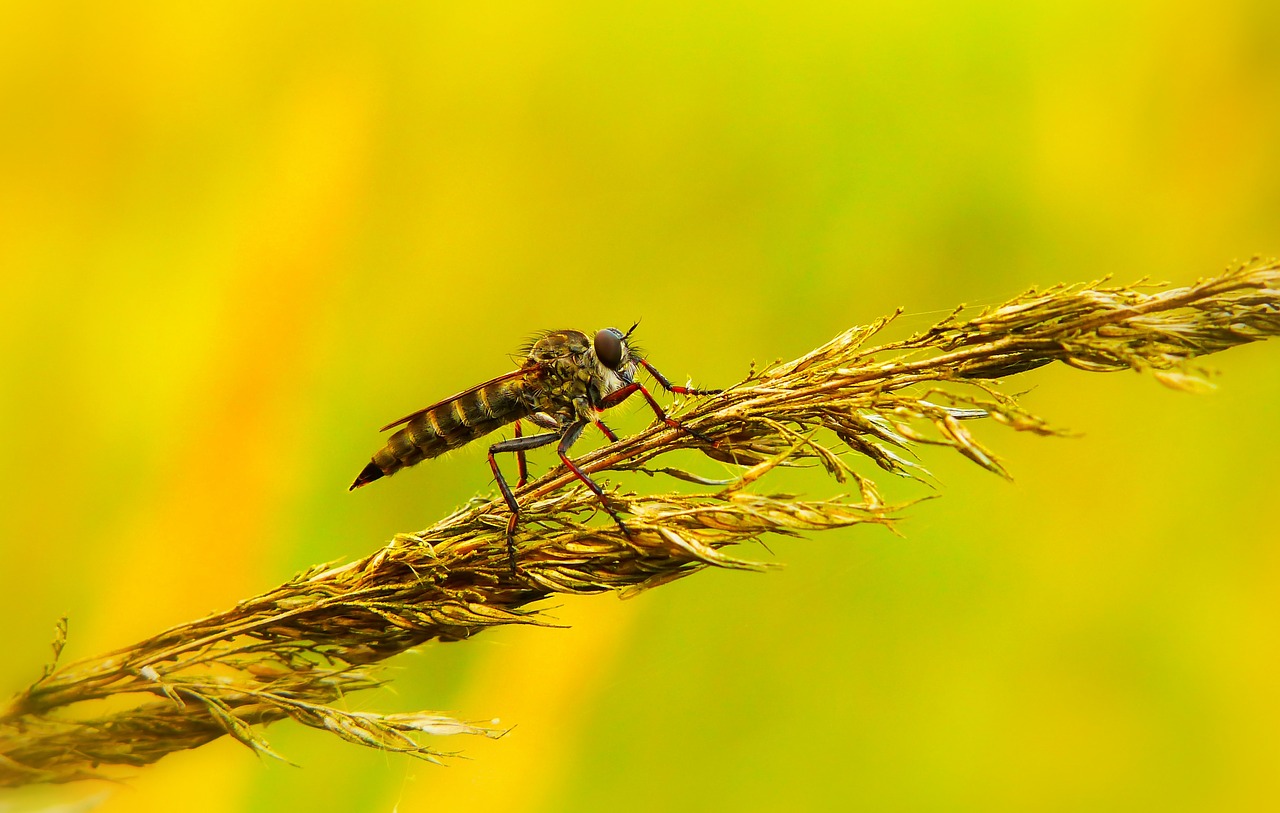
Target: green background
236	238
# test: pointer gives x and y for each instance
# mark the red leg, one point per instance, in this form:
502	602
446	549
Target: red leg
608	433
618	396
669	387
570	436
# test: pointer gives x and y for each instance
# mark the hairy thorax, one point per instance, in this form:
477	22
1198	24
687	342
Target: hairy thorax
570	381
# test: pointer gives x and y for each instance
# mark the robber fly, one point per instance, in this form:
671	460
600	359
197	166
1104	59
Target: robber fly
564	384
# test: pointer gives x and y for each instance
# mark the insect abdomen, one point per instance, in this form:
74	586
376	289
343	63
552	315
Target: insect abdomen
448	425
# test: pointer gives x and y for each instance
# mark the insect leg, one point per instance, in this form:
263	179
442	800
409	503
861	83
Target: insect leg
522	465
570	436
518	445
608	433
669	387
618	396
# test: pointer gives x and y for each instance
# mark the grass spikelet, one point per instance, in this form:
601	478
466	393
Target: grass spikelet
294	651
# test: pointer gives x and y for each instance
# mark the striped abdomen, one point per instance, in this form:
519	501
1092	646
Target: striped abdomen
447	425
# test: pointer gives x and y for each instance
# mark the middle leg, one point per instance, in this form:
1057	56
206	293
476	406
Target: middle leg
571	436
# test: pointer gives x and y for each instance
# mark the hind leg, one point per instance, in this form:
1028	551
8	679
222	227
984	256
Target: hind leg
519	445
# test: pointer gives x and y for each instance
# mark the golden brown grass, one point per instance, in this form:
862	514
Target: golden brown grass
295	650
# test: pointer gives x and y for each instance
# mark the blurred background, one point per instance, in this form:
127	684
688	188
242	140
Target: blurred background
236	238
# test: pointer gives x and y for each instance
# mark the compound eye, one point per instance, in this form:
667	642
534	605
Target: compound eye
608	346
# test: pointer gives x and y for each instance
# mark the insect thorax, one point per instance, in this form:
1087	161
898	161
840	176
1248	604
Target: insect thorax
565	380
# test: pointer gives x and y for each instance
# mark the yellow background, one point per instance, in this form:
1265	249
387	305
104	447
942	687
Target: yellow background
236	238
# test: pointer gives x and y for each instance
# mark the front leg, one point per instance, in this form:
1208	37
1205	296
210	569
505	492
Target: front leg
619	395
669	387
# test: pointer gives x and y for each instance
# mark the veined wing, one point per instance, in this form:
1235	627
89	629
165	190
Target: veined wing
464	393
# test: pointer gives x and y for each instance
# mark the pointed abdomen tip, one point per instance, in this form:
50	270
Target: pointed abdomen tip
370	473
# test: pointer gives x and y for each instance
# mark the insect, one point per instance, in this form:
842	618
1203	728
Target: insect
564	384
